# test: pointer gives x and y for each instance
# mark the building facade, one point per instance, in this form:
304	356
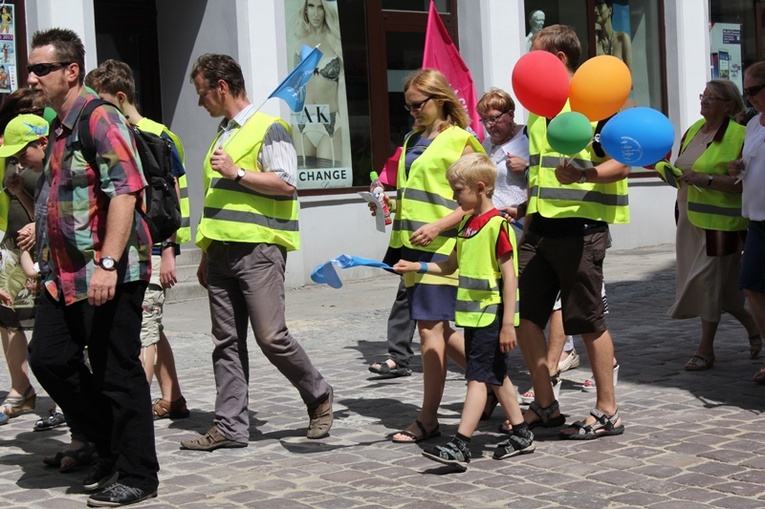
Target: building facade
354	117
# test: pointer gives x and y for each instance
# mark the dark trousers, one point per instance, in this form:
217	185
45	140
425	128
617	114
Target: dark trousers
111	405
400	329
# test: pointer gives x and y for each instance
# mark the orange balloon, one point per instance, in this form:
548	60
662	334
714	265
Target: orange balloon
600	87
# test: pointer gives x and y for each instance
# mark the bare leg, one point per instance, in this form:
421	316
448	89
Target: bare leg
600	349
15	350
509	400
167	376
475	401
556	342
706	346
433	347
148	358
531	339
757	308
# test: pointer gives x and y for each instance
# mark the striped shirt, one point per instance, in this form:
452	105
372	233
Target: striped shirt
277	154
79	201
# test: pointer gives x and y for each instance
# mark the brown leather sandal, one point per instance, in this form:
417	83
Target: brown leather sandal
177	409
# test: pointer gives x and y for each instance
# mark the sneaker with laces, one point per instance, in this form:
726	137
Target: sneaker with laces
103	473
210	441
118	494
455	453
521	442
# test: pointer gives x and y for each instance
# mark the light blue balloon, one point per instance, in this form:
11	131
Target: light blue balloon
638	136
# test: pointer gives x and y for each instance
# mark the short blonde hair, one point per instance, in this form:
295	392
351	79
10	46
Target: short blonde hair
471	169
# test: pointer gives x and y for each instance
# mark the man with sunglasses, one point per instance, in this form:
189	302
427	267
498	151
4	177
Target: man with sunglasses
99	261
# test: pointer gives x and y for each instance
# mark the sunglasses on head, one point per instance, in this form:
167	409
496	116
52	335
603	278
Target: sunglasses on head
45	68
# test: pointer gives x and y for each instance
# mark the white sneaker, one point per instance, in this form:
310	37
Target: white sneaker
570	362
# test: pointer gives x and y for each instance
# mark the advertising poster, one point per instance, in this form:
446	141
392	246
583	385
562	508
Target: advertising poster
725	46
8	77
320	130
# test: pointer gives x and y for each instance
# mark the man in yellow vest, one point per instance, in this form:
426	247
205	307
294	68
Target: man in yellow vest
113	81
248	224
563	249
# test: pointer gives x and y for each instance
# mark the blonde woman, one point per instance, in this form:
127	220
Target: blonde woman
425	230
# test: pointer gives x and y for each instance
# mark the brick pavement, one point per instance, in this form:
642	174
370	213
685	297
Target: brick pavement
693	440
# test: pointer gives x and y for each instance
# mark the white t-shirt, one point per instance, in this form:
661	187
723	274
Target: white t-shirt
754	175
510	190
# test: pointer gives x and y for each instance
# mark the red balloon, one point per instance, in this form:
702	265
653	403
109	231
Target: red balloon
541	83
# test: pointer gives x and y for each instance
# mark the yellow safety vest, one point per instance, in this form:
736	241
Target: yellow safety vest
480	280
235	213
424	196
551	199
710	208
150	126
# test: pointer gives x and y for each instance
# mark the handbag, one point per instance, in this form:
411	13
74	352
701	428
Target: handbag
722	243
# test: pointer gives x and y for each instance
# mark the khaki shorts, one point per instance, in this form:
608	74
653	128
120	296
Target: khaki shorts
153	304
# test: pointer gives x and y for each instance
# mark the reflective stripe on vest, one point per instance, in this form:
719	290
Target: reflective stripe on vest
424	195
150	126
235	213
710	208
550	198
480	280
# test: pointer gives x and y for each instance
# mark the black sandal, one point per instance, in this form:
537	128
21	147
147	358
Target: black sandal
603	426
382	369
545	420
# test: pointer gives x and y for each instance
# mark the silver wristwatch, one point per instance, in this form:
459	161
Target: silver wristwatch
107	263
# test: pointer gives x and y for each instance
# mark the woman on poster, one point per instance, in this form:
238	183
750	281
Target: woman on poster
317	24
609	41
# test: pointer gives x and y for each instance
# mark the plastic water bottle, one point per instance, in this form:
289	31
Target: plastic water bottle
377	189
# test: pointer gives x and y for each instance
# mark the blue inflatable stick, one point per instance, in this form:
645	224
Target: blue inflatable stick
326	273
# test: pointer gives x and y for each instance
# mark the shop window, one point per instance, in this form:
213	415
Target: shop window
13	51
627	29
732	39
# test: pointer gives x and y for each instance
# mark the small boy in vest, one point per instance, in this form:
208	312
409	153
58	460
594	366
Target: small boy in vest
486	308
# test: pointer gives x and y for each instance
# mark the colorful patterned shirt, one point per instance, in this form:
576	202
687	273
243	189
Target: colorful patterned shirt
79	201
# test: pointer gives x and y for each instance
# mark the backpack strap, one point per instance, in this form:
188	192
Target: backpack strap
81	138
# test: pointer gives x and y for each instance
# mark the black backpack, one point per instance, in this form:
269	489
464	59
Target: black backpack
163	210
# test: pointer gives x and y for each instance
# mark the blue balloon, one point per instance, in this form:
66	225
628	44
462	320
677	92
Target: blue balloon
638	136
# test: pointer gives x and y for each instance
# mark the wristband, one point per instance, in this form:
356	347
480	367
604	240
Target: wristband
423	268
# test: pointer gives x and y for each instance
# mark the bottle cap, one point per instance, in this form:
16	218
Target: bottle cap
373	175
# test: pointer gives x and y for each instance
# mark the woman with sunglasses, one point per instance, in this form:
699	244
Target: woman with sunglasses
425	229
751	171
709	224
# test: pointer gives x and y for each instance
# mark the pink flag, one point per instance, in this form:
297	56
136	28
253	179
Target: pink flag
441	54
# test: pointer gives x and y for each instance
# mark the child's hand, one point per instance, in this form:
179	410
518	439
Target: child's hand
507	340
5	298
403	266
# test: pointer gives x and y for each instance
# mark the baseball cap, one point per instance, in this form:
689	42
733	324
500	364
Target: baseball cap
21	131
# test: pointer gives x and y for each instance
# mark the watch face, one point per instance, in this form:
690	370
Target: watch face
107	263
240	173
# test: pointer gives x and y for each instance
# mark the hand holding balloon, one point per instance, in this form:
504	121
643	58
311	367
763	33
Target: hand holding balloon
567	174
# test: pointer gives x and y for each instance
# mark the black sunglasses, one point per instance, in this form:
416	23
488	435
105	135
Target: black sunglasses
46	68
416	106
752	91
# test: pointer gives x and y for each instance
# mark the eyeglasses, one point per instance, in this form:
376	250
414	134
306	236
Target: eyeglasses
45	69
752	91
416	106
709	98
492	120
